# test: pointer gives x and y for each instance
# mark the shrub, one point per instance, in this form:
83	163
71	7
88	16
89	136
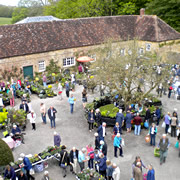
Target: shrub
5	154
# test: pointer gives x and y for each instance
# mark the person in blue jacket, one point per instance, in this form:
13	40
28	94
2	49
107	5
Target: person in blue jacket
102	165
117	145
151	173
27	166
152	133
9	173
158	114
120	119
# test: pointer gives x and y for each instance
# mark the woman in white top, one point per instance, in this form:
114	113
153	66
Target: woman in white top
32	118
60	89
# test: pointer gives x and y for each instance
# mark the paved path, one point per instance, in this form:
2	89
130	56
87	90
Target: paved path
74	132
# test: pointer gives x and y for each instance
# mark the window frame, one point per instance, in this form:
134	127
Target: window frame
70	61
40	63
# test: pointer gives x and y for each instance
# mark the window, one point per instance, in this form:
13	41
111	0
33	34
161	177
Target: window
93	57
42	66
68	61
148	47
122	52
141	51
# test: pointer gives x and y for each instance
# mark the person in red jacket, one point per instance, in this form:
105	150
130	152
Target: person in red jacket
137	122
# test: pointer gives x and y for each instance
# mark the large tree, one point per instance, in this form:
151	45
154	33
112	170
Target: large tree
132	75
168	10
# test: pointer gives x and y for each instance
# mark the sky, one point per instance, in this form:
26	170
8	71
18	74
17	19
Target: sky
9	2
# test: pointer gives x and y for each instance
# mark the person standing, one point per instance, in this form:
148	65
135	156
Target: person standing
109	170
9	173
163	148
71	101
67	88
170	91
102	131
52	115
43	112
103	147
74	159
97	142
57	139
27	166
148	115
167	119
102	165
63	160
120	119
116	128
151	173
137	172
116	172
84	97
178	138
32	118
82	158
91	120
158	115
117	145
98	117
60	89
24	106
11	97
22	176
153	132
137	122
128	119
174	123
44	80
90	153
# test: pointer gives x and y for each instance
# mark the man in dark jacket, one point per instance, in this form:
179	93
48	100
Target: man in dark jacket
63	160
158	114
74	159
97	142
27	166
51	113
120	119
103	147
137	122
102	131
24	106
102	165
9	173
22	176
98	117
148	114
91	120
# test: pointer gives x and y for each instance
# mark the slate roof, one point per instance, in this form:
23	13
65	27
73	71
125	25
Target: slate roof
30	38
38	19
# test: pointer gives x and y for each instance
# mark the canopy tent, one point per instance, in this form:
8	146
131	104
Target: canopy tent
84	59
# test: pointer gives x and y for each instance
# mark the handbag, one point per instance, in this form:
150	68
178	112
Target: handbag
62	164
146	125
177	145
169	130
163	124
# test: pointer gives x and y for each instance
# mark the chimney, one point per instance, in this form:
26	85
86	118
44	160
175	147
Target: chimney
142	11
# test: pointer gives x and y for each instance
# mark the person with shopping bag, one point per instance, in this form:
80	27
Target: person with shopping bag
163	148
152	133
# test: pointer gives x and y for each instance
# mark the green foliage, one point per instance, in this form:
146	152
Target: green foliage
3	115
109	110
90	106
17	116
87	174
168	10
52	67
5	154
19	14
6	11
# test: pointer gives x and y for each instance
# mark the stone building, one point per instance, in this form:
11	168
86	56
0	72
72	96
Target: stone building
31	46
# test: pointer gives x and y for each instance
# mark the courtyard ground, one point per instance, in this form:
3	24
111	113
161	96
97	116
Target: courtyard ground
73	129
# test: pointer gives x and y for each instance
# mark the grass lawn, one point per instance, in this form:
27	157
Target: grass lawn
5	21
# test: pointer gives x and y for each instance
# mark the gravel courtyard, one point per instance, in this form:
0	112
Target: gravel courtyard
73	129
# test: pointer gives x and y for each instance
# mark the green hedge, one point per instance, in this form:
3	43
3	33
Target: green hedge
6	155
